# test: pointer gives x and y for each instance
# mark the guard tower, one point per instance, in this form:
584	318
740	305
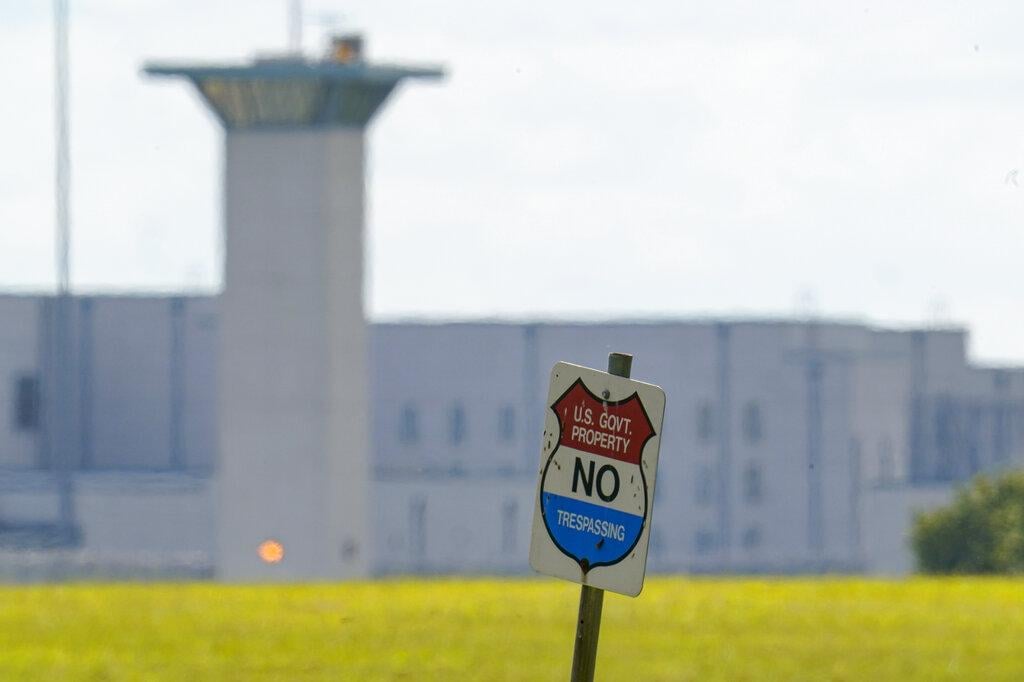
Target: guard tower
293	469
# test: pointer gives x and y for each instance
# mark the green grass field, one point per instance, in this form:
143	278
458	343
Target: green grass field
516	630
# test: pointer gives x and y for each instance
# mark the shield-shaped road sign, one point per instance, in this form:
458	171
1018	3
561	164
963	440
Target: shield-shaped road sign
596	484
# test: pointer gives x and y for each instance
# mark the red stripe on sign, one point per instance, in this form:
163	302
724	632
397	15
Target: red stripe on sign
618	430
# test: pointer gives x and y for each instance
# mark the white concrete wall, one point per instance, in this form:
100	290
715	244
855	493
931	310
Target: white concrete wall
431	371
888	514
121	513
292	406
282	483
131	525
129	406
882	397
457	525
19	356
198	409
28	497
765	365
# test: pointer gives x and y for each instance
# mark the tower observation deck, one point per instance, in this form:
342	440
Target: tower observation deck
293	441
292	91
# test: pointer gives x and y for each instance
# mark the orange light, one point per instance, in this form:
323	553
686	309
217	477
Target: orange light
271	551
343	53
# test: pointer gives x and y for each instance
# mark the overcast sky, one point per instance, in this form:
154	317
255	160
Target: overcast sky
582	159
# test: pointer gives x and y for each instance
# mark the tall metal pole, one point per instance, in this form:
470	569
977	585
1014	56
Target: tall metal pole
61	405
60	20
588	625
295	26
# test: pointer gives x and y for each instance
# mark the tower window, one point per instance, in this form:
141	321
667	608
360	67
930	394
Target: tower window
507	423
886	464
408	426
753	428
657	543
704	541
509	512
418	527
705	486
456	424
26	403
752	484
751	538
705	423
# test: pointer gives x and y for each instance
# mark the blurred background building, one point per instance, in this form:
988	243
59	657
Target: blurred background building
788	447
270	433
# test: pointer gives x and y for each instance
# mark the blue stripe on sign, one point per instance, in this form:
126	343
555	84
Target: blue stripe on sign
589	531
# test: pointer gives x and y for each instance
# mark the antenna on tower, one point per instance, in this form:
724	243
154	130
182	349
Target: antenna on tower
807	303
295	26
938	312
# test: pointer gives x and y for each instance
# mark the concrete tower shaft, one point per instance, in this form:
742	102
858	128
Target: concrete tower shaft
293	466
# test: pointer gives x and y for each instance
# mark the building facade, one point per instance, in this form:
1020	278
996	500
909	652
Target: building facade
789	446
271	434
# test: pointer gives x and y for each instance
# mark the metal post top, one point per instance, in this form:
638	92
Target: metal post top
620	364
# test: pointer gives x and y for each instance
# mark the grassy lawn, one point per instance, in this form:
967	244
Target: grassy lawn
678	629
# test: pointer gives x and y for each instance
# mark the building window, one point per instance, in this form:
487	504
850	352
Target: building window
26	403
657	543
705	423
456	424
507	424
704	541
418	528
752	484
753	428
751	538
509	512
705	491
1001	379
408	426
886	464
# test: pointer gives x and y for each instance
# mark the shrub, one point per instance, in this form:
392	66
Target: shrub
982	531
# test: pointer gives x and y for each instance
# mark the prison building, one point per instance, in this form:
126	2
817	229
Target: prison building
788	446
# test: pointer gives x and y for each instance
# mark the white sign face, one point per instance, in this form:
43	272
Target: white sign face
592	511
